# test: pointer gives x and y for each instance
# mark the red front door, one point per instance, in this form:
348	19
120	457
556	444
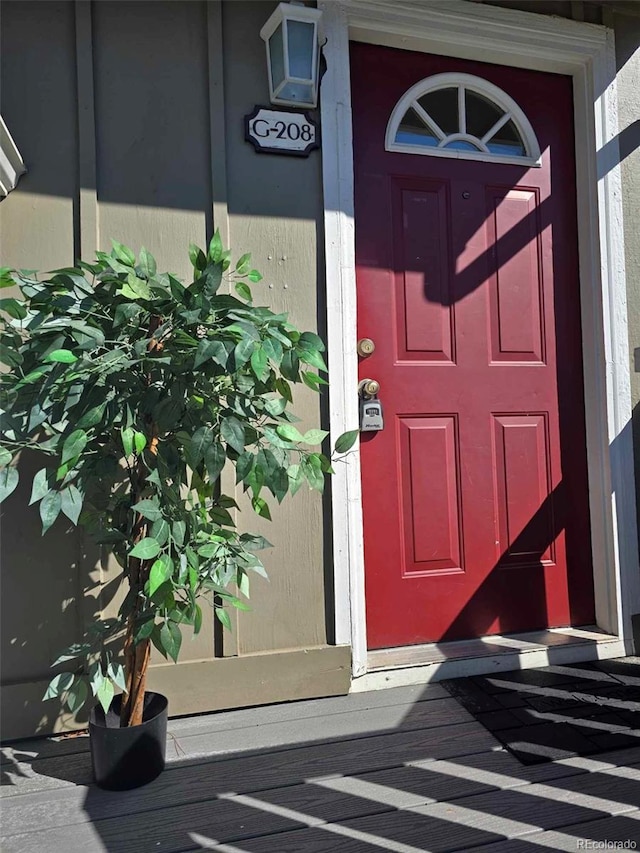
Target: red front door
475	494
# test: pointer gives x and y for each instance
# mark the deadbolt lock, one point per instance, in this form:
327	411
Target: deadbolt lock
365	347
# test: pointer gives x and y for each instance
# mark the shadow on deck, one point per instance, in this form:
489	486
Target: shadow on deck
406	770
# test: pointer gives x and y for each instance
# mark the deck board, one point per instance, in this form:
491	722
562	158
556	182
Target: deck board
404	770
223	721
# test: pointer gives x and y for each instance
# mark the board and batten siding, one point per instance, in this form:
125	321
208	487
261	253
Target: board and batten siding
129	117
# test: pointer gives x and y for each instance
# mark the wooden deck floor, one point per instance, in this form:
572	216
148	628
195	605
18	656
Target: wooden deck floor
405	770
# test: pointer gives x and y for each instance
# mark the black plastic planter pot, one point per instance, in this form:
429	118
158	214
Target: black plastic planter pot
128	757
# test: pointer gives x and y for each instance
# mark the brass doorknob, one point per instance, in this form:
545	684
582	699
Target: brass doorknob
369	387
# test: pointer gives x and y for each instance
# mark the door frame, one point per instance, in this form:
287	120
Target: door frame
526	40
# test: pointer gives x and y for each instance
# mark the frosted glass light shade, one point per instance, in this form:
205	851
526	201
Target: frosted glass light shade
291	38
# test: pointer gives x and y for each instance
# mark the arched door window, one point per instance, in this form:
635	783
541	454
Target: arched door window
462	116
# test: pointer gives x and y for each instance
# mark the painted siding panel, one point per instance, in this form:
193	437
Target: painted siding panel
151	74
275	204
152	127
37	230
38	104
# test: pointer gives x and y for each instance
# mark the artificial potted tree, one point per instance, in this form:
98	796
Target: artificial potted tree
137	391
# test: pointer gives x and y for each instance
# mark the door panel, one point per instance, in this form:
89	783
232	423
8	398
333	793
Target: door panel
522	487
425	328
515	280
430	495
475	494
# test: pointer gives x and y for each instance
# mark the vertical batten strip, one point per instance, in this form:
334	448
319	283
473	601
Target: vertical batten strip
225	643
217	124
88	196
86	244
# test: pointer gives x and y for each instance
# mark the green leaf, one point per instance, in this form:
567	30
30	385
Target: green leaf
9	479
148	508
261	507
115	671
211	280
77	695
313	358
105	694
347	440
273	350
242	264
223	617
123	253
290	365
34	375
243	351
243	465
200	442
312	467
74	445
314	436
243	290
310	341
276	406
208	349
254	276
127	440
146	549
139	442
161	571
178	531
210	550
259	362
296	477
232	431
171	639
72	652
215	248
160	531
197	257
135	288
312	380
214	459
147	263
71	503
284	389
145	630
125	313
289	432
91	417
13	308
10	356
5	457
197	619
58	684
6	279
63	356
253	542
50	507
40	486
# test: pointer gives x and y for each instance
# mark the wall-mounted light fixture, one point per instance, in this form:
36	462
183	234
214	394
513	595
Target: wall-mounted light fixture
11	163
291	37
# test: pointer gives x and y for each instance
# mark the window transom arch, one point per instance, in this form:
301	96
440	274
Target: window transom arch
462	116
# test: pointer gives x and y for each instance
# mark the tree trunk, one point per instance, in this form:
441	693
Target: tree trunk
137	664
137	655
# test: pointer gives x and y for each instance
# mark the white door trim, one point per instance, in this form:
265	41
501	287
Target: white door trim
489	34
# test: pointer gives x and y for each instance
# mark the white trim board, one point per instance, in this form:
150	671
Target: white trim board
489	34
488	655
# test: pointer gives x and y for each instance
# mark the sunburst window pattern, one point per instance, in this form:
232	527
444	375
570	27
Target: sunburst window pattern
462	115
